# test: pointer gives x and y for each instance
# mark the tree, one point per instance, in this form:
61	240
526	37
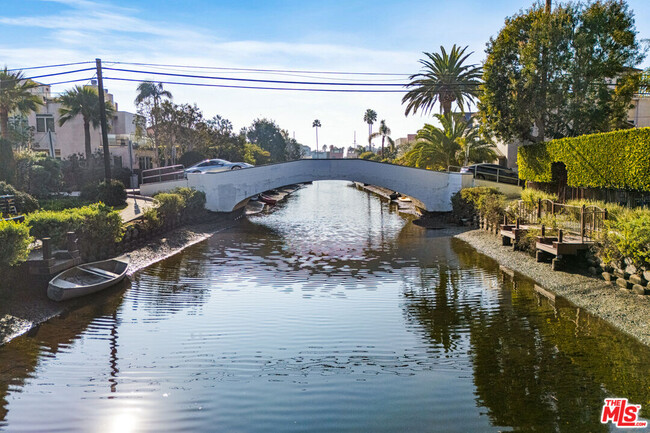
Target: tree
445	78
83	101
456	142
15	96
384	132
267	134
562	72
148	102
370	116
316	125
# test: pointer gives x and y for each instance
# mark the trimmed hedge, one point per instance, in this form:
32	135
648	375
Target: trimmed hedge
95	225
618	159
15	241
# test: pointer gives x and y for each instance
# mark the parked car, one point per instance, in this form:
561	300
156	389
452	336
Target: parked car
216	165
493	172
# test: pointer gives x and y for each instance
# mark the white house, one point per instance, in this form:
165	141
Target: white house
67	140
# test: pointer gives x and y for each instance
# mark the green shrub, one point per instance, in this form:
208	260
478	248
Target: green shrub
101	226
37	173
111	193
94	223
25	203
63	203
15	241
465	202
150	219
618	159
194	200
169	206
627	238
492	207
531	196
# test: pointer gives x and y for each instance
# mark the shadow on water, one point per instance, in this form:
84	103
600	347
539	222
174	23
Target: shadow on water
539	365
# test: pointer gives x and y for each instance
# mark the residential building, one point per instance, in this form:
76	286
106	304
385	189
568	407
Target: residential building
69	139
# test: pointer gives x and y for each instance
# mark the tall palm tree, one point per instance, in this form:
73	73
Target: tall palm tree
316	125
83	101
384	132
370	116
456	141
152	93
445	78
15	95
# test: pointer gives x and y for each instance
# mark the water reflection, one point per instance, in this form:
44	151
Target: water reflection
333	313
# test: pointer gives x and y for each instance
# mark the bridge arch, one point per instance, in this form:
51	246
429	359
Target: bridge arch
224	190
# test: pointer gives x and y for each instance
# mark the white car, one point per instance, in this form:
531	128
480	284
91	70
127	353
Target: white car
216	165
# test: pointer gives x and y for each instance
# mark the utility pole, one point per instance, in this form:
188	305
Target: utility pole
102	117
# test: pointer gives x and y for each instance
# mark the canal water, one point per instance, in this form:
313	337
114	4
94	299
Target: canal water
332	313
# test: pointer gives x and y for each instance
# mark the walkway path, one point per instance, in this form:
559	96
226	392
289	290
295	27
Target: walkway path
136	205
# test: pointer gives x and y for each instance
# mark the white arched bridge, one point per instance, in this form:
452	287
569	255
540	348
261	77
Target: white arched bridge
227	189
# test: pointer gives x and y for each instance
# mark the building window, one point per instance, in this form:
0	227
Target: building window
144	162
45	123
117	161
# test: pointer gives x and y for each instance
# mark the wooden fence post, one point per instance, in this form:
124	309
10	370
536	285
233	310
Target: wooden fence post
582	224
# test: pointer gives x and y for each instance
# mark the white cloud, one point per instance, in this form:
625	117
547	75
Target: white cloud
80	32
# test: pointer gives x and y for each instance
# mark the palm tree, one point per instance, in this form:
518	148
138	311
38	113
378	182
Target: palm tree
455	142
370	116
444	79
384	132
316	125
150	92
83	101
15	95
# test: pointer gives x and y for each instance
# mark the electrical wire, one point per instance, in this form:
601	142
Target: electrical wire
251	80
262	87
289	74
48	75
256	69
51	66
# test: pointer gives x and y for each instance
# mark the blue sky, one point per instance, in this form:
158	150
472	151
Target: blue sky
382	36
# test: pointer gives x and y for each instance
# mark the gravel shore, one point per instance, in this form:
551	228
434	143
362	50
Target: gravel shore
26	305
624	310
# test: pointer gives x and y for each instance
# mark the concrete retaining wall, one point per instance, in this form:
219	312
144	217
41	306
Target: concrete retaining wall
150	189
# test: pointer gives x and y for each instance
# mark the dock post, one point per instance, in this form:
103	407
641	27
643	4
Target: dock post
560	235
543	230
47	248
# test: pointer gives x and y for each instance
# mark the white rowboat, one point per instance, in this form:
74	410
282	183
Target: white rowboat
86	279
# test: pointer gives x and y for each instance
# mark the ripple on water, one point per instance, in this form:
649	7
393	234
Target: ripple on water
333	313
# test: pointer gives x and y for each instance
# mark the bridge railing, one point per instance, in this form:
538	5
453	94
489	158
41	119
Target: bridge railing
161	174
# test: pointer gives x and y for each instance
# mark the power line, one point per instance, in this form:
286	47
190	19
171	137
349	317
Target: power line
207	77
257	69
290	74
48	75
263	87
49	66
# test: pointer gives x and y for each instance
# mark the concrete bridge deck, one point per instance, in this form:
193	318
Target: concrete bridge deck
226	190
